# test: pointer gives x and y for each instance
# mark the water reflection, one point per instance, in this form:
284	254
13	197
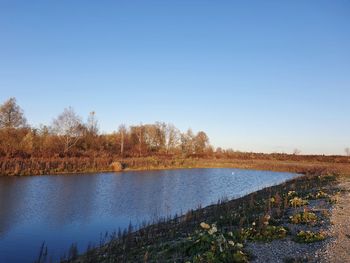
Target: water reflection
77	208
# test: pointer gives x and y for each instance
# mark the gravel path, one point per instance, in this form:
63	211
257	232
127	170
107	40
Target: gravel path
279	251
338	248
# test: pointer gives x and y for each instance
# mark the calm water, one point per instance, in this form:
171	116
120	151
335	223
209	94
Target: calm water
62	209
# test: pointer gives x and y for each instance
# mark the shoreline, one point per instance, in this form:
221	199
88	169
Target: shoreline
160	240
37	167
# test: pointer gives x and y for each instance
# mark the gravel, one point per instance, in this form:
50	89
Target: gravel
338	247
335	248
281	250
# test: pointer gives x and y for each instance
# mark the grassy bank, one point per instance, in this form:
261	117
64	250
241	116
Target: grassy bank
41	166
222	232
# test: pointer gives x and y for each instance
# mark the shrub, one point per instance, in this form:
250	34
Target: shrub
117	166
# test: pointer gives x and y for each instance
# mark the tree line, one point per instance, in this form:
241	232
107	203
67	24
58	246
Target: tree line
69	136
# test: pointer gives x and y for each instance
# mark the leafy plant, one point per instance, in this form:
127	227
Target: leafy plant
309	237
292	194
263	232
297	201
212	246
321	194
333	199
267	233
318	195
304	218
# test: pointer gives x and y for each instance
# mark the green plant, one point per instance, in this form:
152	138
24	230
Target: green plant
333	199
292	194
297	201
304	218
309	237
263	232
212	246
321	194
266	233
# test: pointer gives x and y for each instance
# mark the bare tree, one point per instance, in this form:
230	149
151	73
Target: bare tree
11	115
68	126
154	136
122	132
347	151
187	142
92	124
296	151
139	136
172	137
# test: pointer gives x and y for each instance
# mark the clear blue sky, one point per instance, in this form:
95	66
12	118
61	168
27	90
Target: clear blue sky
255	75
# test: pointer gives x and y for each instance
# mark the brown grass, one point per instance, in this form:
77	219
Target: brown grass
40	166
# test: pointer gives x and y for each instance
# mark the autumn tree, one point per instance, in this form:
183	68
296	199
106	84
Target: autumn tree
201	142
154	137
138	133
48	144
187	142
90	130
172	138
13	142
70	136
11	115
27	143
109	143
68	126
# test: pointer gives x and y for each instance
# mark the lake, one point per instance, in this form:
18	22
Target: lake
63	209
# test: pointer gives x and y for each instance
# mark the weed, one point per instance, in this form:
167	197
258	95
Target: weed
309	237
304	218
297	201
211	245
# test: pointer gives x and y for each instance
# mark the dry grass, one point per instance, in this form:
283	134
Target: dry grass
39	166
